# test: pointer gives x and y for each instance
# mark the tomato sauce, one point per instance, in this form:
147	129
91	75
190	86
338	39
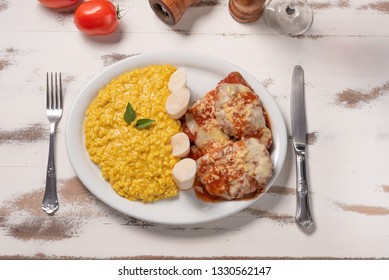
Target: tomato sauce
204	111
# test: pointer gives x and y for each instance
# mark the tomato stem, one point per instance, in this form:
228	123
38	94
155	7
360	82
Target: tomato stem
118	11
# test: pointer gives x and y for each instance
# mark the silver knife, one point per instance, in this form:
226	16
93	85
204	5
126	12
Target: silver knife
299	132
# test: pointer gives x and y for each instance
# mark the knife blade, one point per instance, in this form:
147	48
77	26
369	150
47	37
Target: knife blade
299	125
299	131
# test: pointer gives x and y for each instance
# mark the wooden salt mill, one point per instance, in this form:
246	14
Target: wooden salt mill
246	11
171	11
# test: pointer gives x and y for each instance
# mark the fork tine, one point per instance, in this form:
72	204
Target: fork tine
54	97
60	91
47	91
56	91
51	91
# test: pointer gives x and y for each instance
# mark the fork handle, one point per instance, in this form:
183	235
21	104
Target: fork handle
303	209
50	200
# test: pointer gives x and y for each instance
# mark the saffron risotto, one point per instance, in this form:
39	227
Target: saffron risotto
137	162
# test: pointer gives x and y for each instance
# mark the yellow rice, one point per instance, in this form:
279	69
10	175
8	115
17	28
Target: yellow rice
137	163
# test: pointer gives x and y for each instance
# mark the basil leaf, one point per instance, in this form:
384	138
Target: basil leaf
129	115
143	123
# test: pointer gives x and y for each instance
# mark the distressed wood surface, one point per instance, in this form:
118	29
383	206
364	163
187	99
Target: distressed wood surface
346	61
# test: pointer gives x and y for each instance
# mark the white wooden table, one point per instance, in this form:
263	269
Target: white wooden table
346	60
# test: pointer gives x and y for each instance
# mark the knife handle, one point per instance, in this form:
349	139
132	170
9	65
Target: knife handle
303	209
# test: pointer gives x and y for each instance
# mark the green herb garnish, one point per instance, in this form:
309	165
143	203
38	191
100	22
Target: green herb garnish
143	123
129	115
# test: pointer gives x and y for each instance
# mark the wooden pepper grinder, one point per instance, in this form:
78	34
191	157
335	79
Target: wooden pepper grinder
171	11
246	11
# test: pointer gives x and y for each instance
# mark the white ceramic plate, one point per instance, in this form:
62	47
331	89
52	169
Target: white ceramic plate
204	72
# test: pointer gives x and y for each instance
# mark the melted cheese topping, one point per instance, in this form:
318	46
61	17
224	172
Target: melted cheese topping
210	135
191	123
238	110
228	90
208	132
236	170
258	161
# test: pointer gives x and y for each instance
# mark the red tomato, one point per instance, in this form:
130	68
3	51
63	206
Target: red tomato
57	3
96	17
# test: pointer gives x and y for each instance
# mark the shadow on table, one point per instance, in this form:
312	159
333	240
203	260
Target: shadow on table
112	38
188	20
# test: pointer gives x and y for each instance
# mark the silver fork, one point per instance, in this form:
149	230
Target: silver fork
54	113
